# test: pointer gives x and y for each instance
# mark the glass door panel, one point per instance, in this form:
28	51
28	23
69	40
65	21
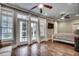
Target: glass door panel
23	31
33	31
42	29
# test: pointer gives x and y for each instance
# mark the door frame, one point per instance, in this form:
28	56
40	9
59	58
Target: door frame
26	42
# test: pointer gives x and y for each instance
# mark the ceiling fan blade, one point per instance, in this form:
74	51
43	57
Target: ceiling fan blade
41	10
33	7
47	6
62	15
67	16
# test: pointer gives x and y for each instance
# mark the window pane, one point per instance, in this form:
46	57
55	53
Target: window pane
23	34
7	24
4	30
10	25
7	11
10	13
10	19
10	22
34	19
23	31
24	26
7	35
4	12
4	18
4	21
10	30
22	16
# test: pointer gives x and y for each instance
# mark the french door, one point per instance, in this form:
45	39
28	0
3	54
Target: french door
23	26
24	31
33	32
42	29
29	32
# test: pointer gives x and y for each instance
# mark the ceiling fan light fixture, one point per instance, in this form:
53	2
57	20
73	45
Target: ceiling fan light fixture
40	6
62	18
77	15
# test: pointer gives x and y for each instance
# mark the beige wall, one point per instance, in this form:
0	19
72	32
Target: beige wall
67	26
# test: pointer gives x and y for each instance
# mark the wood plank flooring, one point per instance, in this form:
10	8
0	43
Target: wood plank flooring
45	49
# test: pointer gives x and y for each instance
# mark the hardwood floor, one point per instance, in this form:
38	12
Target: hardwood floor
45	49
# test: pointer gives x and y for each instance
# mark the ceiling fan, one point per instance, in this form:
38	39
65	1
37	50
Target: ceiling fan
65	16
40	6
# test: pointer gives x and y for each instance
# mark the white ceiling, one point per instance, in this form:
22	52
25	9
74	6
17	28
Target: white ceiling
70	8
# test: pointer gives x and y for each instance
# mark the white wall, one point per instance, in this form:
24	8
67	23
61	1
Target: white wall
55	27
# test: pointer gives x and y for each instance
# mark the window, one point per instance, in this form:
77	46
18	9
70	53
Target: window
7	24
22	16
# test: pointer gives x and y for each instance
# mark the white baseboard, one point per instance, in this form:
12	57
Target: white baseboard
64	41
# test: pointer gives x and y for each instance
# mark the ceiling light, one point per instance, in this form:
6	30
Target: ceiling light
77	15
40	6
62	18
